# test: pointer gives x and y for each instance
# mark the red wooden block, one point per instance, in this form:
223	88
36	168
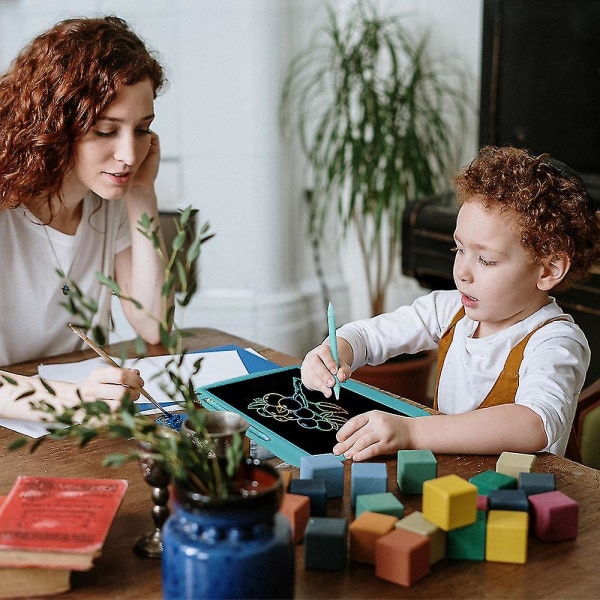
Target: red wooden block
402	557
297	510
555	516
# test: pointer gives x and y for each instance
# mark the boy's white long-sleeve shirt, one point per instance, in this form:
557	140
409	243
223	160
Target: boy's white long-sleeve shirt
551	375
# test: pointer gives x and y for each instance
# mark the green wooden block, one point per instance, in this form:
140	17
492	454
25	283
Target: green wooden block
468	543
385	503
492	480
415	467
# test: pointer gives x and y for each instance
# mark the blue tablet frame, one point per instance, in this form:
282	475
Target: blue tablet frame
287	451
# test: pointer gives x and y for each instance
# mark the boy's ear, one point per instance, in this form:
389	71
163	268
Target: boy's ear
553	271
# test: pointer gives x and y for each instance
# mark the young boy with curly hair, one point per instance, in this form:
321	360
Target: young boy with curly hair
511	363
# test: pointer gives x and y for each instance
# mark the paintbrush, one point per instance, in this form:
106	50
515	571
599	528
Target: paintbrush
110	360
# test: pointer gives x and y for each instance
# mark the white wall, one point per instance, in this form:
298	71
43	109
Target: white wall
223	152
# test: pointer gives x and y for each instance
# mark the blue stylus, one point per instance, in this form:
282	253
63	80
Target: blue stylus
333	345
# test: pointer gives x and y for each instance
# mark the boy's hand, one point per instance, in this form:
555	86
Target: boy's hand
371	434
318	369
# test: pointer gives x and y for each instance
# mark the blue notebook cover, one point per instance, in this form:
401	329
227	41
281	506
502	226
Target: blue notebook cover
252	362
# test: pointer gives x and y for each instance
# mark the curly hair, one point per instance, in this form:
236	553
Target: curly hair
555	213
52	94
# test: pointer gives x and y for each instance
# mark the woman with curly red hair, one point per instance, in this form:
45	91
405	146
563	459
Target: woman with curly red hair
511	363
78	162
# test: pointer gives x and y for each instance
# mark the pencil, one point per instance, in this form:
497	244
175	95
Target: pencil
100	352
333	346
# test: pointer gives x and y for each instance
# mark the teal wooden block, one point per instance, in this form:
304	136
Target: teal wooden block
326	544
316	490
508	500
468	543
492	480
537	483
327	467
367	478
385	503
413	468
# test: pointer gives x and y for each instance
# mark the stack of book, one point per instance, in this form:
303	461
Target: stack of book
50	526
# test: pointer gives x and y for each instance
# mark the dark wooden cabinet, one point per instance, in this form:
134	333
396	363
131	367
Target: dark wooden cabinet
540	89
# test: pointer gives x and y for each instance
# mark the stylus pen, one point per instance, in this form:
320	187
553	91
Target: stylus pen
334	348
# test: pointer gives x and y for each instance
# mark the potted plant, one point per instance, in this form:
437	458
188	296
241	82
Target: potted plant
225	517
374	115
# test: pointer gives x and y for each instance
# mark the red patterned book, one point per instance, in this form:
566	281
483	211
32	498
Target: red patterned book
57	523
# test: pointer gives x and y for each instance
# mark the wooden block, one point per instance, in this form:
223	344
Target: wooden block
483	502
413	468
326	544
327	467
286	477
513	463
402	557
365	530
449	502
437	538
555	516
297	510
537	483
384	502
368	478
468	543
506	539
508	500
492	480
316	490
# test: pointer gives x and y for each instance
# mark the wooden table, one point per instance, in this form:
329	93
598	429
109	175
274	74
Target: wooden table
560	570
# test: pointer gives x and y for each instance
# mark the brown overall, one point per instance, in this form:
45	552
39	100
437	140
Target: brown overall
505	388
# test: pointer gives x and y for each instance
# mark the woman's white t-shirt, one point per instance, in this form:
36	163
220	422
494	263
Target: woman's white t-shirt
551	375
33	321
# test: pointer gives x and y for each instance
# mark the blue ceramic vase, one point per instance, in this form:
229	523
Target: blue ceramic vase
234	547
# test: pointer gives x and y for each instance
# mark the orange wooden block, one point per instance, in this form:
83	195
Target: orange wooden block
286	477
297	510
365	530
402	556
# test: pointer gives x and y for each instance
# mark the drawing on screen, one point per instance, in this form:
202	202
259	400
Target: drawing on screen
324	416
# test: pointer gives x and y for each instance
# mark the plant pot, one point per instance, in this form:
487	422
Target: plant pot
237	546
406	375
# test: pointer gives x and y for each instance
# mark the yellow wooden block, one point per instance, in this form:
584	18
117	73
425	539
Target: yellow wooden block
506	537
419	524
450	502
513	463
365	530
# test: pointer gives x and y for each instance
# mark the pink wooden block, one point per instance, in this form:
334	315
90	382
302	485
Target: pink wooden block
555	516
482	502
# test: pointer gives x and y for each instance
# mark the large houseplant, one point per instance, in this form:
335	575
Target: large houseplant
375	117
217	490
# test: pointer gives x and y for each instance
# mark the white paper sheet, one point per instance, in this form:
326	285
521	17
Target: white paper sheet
216	366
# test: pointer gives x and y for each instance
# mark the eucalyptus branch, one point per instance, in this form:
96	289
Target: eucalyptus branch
179	454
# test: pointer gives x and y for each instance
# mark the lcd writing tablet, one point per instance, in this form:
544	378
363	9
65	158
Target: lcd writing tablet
290	420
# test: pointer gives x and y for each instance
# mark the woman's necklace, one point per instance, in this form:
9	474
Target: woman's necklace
65	275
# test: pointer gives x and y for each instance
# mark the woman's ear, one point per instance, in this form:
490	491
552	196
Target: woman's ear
553	271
